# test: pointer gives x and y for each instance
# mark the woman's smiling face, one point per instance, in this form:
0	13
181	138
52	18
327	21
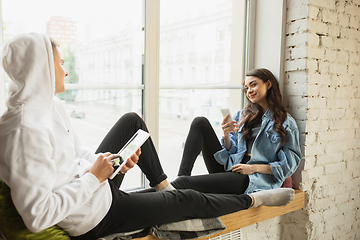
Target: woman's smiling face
256	90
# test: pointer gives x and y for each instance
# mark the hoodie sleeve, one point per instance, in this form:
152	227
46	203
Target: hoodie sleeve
38	197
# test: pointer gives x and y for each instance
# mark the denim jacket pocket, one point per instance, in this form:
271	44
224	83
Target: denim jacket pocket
274	137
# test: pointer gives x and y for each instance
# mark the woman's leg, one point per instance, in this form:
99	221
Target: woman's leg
133	211
120	133
225	183
201	138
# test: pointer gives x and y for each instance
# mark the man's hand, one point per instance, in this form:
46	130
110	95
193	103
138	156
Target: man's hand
103	168
131	162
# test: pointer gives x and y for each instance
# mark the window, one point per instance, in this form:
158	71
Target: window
200	60
203	39
102	45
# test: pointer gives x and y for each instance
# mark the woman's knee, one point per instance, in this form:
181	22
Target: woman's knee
199	122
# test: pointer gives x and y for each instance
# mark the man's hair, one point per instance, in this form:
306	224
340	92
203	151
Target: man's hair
54	45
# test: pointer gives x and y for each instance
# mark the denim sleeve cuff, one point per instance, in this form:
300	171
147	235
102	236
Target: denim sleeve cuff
222	156
282	169
277	171
233	148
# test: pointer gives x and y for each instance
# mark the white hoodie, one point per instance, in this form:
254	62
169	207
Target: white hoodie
41	159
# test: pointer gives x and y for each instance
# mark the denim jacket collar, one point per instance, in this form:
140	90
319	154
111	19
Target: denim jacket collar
267	114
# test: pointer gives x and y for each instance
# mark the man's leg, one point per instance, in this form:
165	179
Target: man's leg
133	211
120	133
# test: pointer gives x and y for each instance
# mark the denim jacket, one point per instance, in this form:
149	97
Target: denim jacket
266	149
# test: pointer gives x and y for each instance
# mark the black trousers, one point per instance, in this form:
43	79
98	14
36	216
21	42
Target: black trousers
138	210
202	138
119	134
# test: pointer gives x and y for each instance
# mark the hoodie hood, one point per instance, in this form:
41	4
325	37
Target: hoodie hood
28	60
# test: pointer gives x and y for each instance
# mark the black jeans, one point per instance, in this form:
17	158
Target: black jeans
138	210
119	134
202	138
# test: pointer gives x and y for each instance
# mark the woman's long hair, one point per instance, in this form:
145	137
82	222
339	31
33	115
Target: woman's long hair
252	113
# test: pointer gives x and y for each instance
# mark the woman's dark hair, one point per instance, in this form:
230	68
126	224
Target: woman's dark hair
252	113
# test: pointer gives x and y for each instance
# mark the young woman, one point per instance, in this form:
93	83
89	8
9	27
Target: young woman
53	180
258	151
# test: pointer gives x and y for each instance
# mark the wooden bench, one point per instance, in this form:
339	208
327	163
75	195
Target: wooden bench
244	218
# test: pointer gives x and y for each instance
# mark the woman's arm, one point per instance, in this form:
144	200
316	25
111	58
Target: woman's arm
227	142
289	155
248	169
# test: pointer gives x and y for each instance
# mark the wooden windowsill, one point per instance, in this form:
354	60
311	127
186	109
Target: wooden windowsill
244	218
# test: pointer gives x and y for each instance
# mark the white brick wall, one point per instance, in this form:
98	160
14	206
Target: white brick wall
331	152
322	91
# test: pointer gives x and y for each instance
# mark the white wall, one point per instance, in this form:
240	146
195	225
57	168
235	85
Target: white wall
2	83
332	168
270	17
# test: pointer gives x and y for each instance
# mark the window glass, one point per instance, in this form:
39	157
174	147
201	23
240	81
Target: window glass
102	45
196	47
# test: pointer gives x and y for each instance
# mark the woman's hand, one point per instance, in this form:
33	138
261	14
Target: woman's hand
103	168
245	169
131	162
229	127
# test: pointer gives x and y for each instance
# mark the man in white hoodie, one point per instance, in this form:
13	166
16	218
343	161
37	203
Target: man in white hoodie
53	180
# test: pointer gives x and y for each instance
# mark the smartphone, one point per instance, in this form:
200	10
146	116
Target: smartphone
226	111
128	150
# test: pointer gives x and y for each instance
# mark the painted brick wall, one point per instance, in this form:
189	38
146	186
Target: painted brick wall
322	91
331	172
332	110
